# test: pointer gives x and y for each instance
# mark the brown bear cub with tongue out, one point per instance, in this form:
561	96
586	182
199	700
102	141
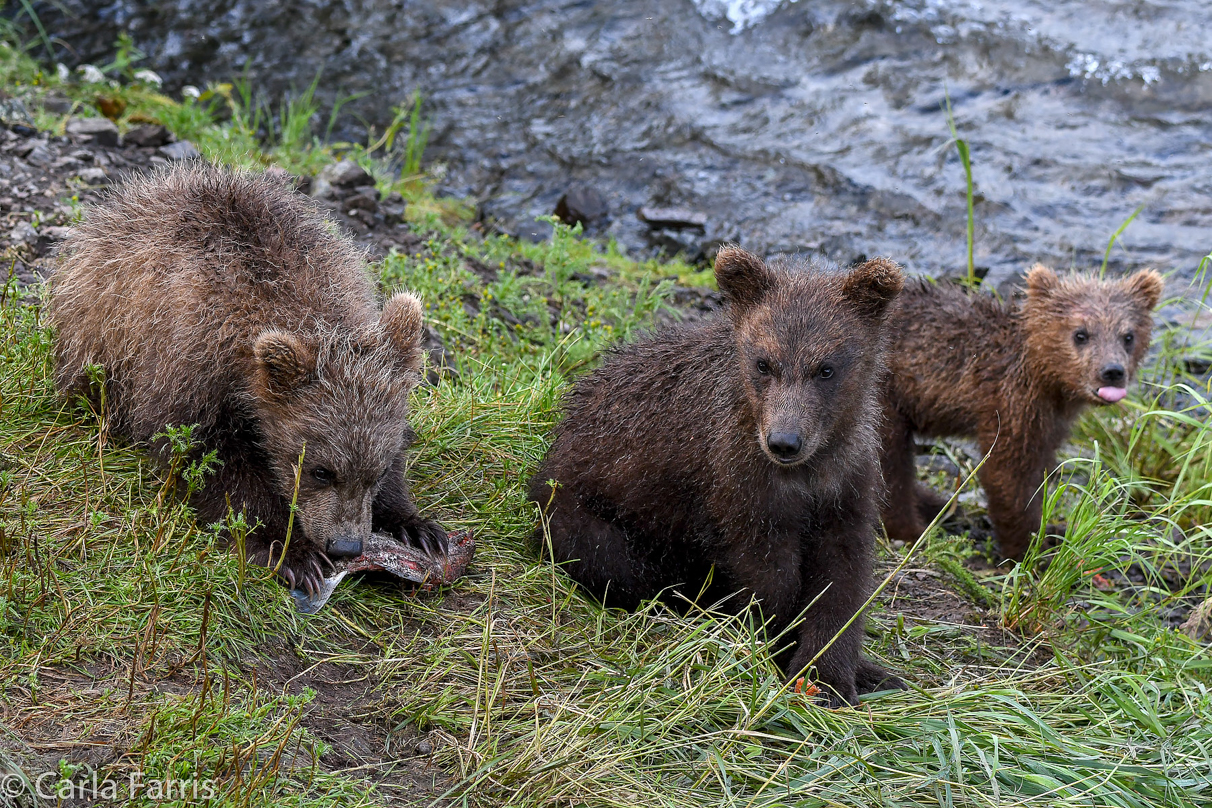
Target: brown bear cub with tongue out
738	458
225	300
1013	376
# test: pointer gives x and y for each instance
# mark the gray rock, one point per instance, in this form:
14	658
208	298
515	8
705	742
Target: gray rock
365	199
1197	365
93	176
581	204
181	150
674	218
346	174
393	208
39	156
424	748
23	233
101	131
56	233
13	111
321	188
393	212
148	136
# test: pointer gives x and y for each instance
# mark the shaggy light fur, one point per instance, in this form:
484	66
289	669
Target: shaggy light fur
226	300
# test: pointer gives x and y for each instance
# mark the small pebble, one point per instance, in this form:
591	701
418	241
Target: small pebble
424	748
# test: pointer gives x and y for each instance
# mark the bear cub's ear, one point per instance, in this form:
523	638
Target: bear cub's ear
742	276
1041	282
1146	286
872	285
402	322
286	362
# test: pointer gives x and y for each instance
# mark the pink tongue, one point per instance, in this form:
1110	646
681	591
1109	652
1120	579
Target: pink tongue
1112	394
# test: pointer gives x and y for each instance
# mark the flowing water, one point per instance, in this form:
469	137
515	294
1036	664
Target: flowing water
794	126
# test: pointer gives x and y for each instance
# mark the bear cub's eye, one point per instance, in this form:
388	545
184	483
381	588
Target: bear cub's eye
763	367
1081	337
826	372
322	475
1129	338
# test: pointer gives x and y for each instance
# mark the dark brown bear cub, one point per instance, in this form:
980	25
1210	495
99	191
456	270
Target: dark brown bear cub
1012	376
225	300
748	444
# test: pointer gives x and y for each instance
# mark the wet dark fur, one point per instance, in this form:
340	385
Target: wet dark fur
664	471
1009	375
225	300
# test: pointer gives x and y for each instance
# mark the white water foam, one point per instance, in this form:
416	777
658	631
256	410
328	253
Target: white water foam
741	13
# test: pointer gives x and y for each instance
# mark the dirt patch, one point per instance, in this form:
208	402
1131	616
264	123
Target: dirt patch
97	722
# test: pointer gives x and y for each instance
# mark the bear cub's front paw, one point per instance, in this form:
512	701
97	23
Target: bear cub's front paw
305	570
428	535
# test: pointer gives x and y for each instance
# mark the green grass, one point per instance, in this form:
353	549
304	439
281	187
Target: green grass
123	622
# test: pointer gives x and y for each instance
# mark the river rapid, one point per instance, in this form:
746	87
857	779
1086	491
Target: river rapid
793	126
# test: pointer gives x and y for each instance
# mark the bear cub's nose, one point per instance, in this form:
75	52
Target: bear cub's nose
345	547
1113	374
784	445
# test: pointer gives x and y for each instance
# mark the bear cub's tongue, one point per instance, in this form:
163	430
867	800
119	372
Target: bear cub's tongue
1111	394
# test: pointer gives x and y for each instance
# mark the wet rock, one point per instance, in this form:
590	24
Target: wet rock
673	218
581	205
181	150
673	241
346	174
711	248
1197	366
148	136
535	232
98	131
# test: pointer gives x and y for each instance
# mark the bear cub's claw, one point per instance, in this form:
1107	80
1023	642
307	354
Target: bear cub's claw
429	536
306	571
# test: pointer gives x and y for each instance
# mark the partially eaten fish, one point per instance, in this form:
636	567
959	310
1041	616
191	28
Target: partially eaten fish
382	553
